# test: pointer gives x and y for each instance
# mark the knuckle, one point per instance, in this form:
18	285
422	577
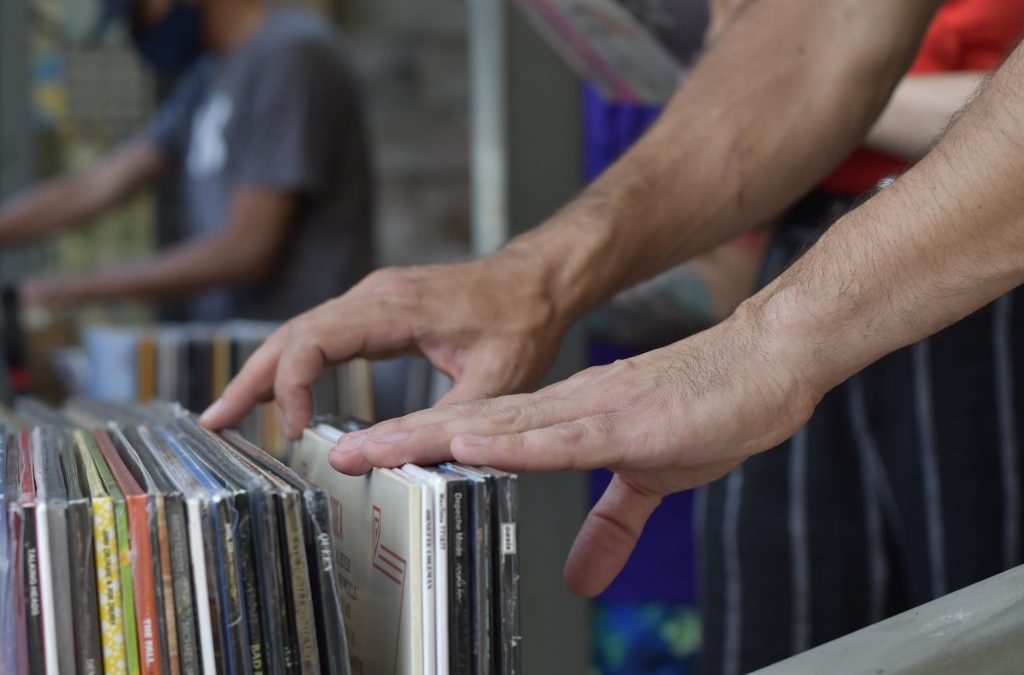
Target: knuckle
514	417
571	433
387	281
467	409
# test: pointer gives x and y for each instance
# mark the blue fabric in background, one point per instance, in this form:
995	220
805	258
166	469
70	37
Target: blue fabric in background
662	567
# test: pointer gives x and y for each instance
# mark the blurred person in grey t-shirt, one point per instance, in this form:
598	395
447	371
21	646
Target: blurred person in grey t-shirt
265	132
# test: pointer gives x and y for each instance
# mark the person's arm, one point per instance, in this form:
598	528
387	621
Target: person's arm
786	92
73	200
244	251
945	239
919	110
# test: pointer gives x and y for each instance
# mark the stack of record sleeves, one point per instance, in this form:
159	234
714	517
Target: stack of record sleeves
192	363
134	541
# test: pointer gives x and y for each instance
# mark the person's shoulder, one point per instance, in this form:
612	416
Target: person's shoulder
303	34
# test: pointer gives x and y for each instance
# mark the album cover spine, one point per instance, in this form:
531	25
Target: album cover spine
33	602
250	588
302	601
441	567
459	575
330	626
144	584
481	552
267	550
288	510
167	631
124	559
204	574
60	603
181	586
233	622
506	575
84	600
108	587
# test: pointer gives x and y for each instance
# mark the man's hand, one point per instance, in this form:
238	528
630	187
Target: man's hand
721	157
665	421
489	324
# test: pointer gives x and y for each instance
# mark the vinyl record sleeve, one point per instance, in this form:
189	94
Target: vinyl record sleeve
125	556
444	623
279	633
255	520
159	539
480	552
141	527
8	637
200	373
201	553
146	367
224	515
16	654
375	526
221	363
11	598
504	514
30	547
167	343
428	562
108	572
331	626
175	555
54	559
88	652
460	571
505	549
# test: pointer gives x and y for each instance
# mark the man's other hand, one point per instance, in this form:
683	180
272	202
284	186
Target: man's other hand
489	324
665	421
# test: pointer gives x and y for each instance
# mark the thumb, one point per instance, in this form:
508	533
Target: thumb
608	537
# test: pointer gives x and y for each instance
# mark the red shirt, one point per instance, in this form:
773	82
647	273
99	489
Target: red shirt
965	35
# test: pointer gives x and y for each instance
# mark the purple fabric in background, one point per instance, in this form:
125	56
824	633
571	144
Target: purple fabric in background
662	567
610	128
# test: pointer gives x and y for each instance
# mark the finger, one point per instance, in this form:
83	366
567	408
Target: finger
584	443
426	437
404	440
352	462
252	385
298	369
608	537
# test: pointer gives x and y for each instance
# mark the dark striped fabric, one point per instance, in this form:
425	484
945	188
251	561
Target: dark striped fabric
905	485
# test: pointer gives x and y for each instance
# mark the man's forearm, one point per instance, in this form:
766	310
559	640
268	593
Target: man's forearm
785	94
75	199
945	239
42	211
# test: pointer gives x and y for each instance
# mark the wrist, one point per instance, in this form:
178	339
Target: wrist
570	258
783	334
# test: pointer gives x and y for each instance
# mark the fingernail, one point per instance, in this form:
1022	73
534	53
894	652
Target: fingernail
350	442
390	437
473	441
338	461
